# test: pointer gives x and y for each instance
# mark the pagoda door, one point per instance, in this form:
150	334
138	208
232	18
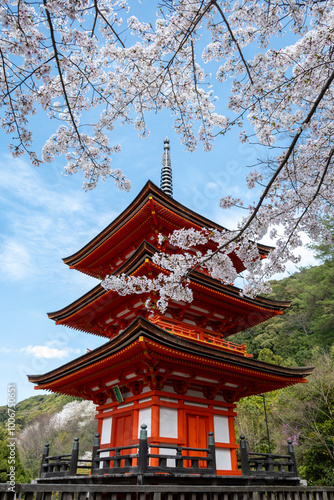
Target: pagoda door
197	435
123	433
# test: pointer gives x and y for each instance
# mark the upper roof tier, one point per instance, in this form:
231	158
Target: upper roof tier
150	213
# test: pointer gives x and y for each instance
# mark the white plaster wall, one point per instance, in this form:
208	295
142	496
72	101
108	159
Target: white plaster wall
221	431
102	455
223	459
145	418
190	403
167	451
168	422
195	394
106	430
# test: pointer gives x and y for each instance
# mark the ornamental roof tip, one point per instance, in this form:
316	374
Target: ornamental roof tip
166	183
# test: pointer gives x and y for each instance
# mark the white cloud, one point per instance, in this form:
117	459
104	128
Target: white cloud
5	350
43	221
47	352
25	183
15	260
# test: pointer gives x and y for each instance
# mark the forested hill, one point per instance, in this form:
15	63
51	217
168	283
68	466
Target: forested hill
290	339
28	410
54	419
303	335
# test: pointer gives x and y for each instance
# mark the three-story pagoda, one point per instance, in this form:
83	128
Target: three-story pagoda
174	372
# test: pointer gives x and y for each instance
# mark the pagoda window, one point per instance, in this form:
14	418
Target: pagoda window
221	429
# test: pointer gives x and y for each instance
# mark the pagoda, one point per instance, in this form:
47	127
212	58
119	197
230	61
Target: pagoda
174	372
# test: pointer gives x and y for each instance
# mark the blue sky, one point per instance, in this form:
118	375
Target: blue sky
46	216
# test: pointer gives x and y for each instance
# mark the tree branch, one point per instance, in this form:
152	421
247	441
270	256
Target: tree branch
274	177
234	39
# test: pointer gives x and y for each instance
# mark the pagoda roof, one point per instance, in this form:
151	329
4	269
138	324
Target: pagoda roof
143	347
151	211
221	307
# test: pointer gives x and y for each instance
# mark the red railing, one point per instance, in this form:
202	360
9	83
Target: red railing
200	336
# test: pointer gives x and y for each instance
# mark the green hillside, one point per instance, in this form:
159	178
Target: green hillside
309	322
30	409
303	335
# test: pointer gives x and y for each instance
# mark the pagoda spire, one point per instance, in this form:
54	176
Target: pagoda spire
166	183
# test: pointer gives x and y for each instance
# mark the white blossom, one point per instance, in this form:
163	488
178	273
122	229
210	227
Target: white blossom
270	62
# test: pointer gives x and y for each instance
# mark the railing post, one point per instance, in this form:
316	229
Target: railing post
95	454
142	450
293	467
270	464
211	464
74	457
44	456
179	459
244	456
117	458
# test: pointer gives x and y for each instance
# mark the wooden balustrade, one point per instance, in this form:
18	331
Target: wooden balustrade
63	465
144	458
161	492
267	464
201	336
122	460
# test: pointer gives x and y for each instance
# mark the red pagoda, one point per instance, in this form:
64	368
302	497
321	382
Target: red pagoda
174	372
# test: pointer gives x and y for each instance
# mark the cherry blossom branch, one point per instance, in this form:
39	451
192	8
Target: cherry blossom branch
60	73
273	178
28	76
98	11
15	120
320	183
234	39
199	16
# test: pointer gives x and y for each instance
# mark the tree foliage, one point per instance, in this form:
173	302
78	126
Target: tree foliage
303	335
303	413
21	475
29	409
308	323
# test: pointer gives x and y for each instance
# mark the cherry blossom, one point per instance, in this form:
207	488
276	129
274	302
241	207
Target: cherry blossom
94	64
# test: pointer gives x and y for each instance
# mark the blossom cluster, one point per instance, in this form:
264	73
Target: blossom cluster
92	65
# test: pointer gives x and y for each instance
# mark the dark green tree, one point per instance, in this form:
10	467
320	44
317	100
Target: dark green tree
7	461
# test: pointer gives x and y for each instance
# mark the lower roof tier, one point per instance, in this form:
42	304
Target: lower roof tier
147	355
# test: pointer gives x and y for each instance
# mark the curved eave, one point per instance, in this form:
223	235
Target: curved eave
142	335
226	297
146	250
82	260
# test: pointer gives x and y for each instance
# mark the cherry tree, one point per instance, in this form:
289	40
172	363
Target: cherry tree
94	64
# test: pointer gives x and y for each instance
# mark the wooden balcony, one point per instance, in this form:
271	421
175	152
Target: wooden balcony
200	336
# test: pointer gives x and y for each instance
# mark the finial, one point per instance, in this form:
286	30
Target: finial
166	184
